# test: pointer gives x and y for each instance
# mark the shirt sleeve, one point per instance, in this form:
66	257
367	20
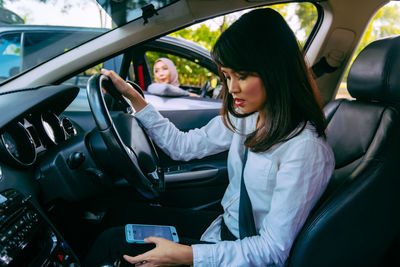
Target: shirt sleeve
301	179
212	138
165	89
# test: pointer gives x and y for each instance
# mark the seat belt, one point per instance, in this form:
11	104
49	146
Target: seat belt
246	220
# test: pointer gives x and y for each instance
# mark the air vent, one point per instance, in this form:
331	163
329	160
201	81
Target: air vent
68	126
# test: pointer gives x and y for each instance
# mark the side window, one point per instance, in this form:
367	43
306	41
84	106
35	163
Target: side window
383	24
10	55
301	18
192	76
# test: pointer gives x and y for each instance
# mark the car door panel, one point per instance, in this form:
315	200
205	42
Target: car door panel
186	181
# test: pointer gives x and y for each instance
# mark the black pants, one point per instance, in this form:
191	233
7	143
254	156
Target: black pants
111	244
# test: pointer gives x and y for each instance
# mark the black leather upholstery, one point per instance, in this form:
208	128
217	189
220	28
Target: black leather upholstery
375	74
358	217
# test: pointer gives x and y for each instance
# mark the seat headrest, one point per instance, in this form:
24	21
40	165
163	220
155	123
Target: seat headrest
375	74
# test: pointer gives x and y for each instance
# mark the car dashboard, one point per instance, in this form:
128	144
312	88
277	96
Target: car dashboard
23	140
49	156
27	237
32	131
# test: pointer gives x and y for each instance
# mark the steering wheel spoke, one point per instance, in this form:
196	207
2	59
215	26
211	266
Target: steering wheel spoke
126	141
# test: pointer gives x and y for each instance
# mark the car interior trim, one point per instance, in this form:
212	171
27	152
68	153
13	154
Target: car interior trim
190	176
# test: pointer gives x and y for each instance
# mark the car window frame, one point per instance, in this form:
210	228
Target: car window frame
316	27
139	55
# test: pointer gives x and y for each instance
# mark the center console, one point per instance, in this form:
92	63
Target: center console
27	238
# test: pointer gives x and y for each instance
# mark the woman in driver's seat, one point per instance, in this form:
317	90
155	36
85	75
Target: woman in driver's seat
279	162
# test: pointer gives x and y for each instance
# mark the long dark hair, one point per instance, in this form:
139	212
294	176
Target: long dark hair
261	42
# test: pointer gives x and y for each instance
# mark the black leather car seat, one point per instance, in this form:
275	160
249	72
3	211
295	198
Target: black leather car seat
358	217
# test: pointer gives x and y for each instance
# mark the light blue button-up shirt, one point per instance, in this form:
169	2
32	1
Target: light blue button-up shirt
283	184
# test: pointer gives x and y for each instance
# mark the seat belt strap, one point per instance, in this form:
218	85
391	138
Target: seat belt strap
246	220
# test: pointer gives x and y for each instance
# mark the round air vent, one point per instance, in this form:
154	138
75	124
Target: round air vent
68	126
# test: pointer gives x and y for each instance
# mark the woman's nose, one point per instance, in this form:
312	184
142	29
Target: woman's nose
233	86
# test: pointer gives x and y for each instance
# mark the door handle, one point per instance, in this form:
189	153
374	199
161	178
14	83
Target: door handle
190	175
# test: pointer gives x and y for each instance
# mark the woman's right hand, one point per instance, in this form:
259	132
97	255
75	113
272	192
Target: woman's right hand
126	89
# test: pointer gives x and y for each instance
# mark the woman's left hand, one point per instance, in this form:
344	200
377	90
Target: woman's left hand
166	253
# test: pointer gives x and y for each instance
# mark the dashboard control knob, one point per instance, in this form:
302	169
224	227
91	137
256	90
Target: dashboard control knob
75	160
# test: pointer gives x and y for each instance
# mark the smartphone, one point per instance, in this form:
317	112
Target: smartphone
136	233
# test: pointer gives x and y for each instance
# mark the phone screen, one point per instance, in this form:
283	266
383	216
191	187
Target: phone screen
138	232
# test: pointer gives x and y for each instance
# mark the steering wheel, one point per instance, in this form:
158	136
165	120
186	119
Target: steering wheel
127	142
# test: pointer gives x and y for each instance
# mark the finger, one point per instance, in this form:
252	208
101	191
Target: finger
143	264
152	239
105	71
109	73
116	79
135	260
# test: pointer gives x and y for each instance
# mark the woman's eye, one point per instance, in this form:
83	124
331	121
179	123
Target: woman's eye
242	77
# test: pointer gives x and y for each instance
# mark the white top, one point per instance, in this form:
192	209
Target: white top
283	185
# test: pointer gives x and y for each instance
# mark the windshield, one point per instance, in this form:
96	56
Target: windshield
34	31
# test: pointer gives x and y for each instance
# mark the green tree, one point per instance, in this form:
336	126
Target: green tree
307	14
385	23
202	35
191	73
